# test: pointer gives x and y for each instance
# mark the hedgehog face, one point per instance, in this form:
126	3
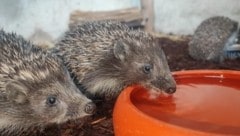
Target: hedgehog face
61	102
145	64
54	100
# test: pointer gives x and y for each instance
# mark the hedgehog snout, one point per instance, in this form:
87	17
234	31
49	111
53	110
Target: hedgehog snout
170	85
90	108
166	84
171	90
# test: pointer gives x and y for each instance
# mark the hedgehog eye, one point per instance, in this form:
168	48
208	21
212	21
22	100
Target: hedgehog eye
147	68
51	100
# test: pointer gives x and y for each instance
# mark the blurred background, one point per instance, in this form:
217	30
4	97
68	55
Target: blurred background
44	21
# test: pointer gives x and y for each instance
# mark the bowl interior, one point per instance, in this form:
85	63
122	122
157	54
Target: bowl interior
204	101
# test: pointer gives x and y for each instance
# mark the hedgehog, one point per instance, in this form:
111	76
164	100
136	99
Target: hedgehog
104	57
215	39
35	88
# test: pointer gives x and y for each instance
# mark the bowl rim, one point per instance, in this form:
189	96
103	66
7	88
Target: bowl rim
185	73
207	72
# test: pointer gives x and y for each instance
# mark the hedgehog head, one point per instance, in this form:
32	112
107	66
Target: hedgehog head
134	60
42	92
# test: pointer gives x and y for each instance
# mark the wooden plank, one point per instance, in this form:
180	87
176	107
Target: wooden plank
132	16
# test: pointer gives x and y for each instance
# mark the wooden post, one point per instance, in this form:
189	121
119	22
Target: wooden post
147	10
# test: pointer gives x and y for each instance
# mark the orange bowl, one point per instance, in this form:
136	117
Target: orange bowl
206	103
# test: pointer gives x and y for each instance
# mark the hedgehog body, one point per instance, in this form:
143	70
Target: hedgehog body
214	38
103	57
35	88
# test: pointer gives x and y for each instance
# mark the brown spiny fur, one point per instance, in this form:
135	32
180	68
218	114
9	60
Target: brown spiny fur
212	37
106	56
29	79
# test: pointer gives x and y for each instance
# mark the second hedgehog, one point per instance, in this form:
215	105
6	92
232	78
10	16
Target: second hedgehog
215	39
104	57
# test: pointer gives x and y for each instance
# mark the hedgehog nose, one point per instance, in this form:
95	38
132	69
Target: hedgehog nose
170	90
90	108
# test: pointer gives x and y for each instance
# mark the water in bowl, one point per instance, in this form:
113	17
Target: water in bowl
210	104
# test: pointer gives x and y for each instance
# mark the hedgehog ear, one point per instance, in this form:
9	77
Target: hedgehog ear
16	92
121	50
